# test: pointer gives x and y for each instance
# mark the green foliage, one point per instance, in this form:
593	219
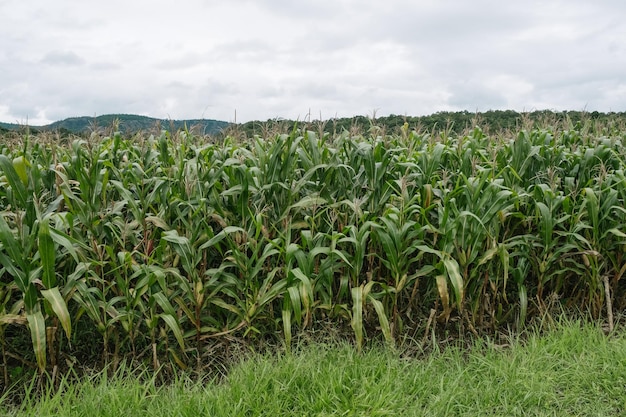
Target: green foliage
162	246
126	123
445	123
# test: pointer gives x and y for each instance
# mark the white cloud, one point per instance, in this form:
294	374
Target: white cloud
266	59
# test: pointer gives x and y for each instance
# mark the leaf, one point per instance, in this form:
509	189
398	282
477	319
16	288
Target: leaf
428	249
295	303
547	223
180	363
309	201
617	232
382	318
54	297
220	236
306	287
488	255
158	222
357	315
183	248
14	180
12	247
286	313
452	268
592	205
12	319
442	287
47	254
523	301
19	276
171	322
164	303
37	326
69	243
172	236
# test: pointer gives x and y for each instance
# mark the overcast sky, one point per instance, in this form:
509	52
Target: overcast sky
296	59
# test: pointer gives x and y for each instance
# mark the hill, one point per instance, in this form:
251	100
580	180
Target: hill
125	123
450	122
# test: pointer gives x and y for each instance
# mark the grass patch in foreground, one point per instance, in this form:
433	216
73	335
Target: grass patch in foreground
572	370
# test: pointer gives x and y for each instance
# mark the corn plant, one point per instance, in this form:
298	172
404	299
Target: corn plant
28	252
164	244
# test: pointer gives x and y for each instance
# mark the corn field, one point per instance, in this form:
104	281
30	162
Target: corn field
155	247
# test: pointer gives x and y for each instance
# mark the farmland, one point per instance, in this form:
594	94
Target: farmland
164	249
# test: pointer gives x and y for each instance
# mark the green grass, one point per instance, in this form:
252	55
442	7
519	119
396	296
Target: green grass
573	369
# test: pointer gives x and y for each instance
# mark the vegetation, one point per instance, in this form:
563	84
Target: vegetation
493	121
161	249
125	123
571	370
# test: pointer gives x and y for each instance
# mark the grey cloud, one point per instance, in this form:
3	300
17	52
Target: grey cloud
471	95
301	10
63	58
326	91
248	50
281	58
105	66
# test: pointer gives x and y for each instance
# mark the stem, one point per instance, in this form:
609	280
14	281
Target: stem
198	339
609	306
5	371
155	360
105	350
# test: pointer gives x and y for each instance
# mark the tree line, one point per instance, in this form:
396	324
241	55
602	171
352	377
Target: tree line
442	122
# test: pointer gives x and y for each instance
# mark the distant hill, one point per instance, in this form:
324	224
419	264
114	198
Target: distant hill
125	123
449	122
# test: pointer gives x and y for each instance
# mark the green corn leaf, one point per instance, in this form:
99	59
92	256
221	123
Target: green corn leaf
226	306
319	250
171	322
617	233
382	318
291	250
14	180
158	222
172	236
37	326
306	289
12	246
19	276
523	301
270	291
547	223
505	258
295	303
221	235
31	297
428	249
164	303
183	247
489	255
286	314
357	316
68	242
54	297
452	268
47	255
309	201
